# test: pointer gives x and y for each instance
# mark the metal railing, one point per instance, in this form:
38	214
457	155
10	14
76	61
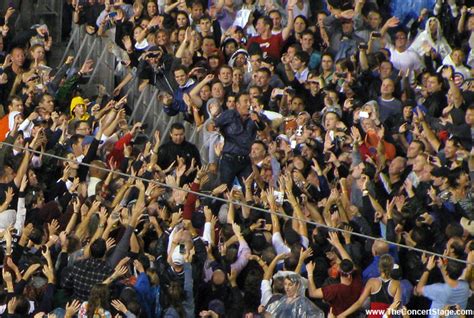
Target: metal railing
144	104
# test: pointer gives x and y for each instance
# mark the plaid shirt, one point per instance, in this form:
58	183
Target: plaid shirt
85	274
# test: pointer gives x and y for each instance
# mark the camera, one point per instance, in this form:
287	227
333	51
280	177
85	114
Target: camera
363	46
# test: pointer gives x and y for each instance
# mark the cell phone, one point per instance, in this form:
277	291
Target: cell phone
182	249
376	34
2	70
279	91
420	219
293	144
364	115
278	197
237	187
341	74
363	46
327	156
112	14
11	4
290	90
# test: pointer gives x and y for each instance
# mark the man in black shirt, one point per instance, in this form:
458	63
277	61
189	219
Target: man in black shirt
177	147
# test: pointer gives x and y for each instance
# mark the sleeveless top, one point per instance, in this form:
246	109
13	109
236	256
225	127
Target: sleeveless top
381	299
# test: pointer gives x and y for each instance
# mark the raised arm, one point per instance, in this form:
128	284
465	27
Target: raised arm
194	93
286	32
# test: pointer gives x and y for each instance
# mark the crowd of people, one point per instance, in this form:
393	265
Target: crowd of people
325	122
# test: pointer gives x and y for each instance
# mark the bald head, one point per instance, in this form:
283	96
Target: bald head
379	248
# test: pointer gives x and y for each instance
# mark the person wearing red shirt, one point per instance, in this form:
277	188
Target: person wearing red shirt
269	43
339	296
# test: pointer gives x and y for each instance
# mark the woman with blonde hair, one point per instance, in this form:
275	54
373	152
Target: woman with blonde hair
382	290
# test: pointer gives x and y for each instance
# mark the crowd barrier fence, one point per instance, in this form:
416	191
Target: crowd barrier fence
108	71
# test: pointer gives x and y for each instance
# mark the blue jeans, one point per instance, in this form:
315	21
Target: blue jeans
231	166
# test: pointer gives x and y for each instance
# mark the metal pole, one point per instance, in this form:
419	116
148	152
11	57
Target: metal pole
137	105
68	47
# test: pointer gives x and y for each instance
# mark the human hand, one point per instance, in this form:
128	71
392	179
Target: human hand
72	308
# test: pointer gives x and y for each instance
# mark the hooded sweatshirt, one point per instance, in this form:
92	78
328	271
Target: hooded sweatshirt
439	44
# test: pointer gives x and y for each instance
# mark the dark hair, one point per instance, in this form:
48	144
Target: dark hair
75	139
267	20
420	235
98	298
265	70
264	145
454	269
346	267
291	262
177	126
303	18
422	145
78	122
181	68
303	56
454	229
175	297
36	235
98	248
240	94
22	306
307	32
183	13
204	17
208	37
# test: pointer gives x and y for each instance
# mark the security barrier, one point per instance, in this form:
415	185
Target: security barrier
108	71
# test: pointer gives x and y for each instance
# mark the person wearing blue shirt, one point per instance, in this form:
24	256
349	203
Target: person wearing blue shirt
454	290
379	248
239	127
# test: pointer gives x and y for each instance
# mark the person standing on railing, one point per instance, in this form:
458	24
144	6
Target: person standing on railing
239	127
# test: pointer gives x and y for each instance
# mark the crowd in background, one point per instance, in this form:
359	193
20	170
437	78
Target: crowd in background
331	113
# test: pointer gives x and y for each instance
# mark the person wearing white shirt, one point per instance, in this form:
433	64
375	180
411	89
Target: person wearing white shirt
401	57
456	59
297	68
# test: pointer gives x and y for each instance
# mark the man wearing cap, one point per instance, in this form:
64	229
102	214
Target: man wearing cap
340	28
